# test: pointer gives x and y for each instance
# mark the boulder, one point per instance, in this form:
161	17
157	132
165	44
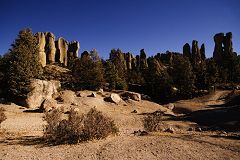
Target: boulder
131	95
114	98
41	90
50	47
93	94
48	105
170	130
169	106
41	42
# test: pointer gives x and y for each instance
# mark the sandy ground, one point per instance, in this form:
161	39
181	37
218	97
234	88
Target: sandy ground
20	136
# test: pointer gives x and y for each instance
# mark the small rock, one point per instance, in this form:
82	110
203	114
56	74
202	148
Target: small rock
134	111
78	94
190	129
199	129
169	106
93	95
170	130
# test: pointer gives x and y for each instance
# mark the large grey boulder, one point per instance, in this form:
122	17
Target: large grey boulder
41	90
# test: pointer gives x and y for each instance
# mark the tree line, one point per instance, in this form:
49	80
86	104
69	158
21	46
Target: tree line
164	77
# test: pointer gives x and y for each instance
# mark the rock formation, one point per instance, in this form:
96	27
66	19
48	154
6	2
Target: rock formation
143	60
73	48
202	52
218	49
196	56
62	48
227	42
187	51
223	46
41	42
51	51
50	47
129	59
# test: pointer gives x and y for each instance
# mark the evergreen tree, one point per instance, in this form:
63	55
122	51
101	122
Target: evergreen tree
89	72
157	80
183	76
22	65
117	58
110	74
212	72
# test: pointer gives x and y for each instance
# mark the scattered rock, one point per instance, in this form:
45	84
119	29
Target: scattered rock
114	98
134	111
140	133
190	129
41	91
199	129
145	97
100	90
169	106
170	130
93	94
78	94
131	95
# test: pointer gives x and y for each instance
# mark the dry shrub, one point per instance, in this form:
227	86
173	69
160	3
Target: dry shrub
2	115
77	128
97	126
152	122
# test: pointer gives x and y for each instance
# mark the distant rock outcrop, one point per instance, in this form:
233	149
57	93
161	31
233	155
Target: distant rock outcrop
223	46
218	49
187	51
41	42
50	47
62	48
73	48
51	51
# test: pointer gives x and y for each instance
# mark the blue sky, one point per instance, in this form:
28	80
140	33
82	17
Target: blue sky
155	25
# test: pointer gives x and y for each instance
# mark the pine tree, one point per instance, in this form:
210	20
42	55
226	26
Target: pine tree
23	65
89	72
183	76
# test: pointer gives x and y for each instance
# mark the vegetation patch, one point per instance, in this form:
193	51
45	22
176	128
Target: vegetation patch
77	127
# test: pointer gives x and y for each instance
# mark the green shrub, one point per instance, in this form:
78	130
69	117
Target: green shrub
152	122
77	128
2	115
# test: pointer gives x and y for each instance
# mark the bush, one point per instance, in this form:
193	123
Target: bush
2	115
77	128
152	122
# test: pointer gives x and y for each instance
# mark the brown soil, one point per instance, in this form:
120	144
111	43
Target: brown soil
20	134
